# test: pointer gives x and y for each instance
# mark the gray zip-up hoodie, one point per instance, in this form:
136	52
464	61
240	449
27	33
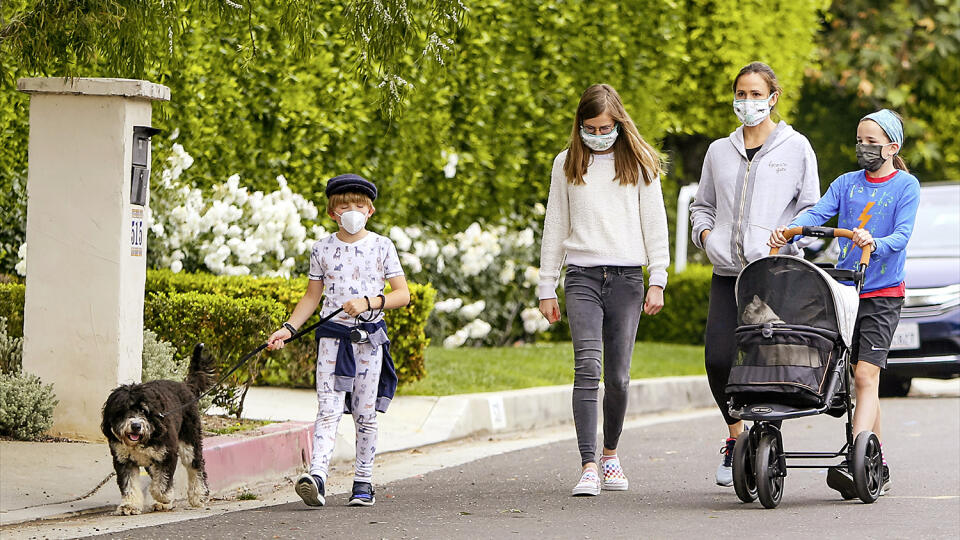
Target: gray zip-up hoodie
742	201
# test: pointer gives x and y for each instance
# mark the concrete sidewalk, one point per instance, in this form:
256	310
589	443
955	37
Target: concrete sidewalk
52	480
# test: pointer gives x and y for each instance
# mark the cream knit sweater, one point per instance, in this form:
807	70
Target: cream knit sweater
602	223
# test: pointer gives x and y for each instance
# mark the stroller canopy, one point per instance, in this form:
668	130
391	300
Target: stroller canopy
783	289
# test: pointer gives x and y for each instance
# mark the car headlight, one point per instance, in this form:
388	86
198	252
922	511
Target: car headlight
945	297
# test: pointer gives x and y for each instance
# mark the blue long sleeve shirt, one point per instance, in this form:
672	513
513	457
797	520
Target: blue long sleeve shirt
887	209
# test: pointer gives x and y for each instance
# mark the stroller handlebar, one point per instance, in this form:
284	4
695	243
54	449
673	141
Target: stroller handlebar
825	232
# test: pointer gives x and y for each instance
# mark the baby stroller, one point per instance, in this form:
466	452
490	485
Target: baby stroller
795	328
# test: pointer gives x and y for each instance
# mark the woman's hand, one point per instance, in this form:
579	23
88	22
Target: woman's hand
550	309
777	238
862	237
703	236
654	301
276	339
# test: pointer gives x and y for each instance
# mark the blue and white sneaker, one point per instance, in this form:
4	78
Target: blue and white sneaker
310	489
725	469
362	495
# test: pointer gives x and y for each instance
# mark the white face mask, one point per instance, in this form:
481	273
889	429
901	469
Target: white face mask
752	111
599	143
352	221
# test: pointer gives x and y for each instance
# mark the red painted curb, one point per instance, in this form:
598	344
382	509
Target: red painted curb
279	450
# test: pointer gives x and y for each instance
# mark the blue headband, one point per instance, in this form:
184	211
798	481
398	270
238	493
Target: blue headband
889	123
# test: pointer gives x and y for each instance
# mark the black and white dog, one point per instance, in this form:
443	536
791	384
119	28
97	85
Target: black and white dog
151	425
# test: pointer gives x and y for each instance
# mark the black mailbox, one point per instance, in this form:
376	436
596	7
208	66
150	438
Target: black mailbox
140	173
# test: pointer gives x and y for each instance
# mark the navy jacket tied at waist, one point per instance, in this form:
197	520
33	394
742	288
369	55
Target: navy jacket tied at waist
346	367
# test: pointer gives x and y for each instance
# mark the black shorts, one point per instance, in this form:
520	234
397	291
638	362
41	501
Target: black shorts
877	320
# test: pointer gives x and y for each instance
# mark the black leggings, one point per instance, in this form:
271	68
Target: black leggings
720	342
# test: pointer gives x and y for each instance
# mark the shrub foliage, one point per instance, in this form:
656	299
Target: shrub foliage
228	327
11	307
160	360
11	350
295	364
26	406
477	138
684	314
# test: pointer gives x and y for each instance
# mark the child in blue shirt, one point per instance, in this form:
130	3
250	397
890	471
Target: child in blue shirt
879	204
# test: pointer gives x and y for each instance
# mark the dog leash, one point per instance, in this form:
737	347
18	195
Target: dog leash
247	357
75	499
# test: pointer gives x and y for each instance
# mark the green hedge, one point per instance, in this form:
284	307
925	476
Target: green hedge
283	290
295	364
185	308
408	339
11	307
503	103
684	314
230	327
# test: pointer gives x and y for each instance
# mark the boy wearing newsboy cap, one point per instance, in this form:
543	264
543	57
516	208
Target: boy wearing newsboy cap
355	372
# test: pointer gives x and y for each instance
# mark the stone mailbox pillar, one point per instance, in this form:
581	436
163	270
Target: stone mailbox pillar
86	243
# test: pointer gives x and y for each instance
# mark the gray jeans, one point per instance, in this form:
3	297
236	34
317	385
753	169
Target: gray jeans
603	307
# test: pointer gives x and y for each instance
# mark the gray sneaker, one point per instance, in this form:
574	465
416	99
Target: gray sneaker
725	469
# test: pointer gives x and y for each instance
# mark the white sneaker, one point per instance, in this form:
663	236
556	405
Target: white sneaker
613	477
589	484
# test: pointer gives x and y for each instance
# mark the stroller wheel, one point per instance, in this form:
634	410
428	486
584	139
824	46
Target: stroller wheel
867	466
744	481
768	478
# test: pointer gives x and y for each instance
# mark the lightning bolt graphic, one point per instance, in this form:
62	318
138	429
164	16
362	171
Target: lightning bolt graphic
864	216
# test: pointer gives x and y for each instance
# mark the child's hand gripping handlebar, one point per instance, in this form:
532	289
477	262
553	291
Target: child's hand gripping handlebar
826	232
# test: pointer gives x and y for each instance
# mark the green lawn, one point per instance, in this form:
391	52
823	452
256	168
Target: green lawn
467	370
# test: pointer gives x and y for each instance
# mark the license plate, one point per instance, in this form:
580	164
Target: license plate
907	336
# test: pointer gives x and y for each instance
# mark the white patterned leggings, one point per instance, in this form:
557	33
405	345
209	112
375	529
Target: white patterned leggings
330	407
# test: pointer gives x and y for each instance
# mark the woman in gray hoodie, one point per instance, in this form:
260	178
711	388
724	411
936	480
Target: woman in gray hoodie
760	176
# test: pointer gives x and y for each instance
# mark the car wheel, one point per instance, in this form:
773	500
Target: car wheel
894	386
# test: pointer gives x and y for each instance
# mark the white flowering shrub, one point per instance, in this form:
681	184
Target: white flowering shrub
232	231
485	278
21	266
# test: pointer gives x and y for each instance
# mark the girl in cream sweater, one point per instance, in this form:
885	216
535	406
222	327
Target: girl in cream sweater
605	221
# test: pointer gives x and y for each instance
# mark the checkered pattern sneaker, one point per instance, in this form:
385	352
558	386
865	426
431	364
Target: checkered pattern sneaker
588	485
613	477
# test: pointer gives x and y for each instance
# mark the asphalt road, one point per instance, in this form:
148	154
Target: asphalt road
525	493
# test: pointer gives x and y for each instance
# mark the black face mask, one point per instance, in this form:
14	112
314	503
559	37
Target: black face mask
870	156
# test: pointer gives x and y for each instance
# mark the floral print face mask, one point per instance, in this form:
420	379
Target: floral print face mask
599	143
752	111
